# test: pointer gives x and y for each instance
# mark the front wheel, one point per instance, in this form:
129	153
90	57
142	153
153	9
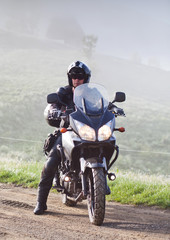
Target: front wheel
96	195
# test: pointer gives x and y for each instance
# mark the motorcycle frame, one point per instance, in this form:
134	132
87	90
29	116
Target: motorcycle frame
74	147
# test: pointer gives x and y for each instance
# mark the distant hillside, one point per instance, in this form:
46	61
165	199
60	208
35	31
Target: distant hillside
11	40
118	74
135	79
28	75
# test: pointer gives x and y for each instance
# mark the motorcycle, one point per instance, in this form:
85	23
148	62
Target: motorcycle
89	148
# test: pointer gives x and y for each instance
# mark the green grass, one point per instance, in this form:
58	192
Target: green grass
140	189
22	173
128	188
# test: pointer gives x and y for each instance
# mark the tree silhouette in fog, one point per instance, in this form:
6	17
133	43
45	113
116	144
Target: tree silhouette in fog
89	44
66	30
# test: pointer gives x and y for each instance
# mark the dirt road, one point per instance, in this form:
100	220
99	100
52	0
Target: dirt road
122	222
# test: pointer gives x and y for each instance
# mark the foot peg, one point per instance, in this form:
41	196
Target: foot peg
58	187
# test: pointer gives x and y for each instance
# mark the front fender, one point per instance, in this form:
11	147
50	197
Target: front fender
92	163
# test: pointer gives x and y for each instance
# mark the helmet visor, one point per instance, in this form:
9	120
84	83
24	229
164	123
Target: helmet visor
75	75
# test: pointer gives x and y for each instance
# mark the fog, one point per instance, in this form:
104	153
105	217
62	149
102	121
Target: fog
125	29
126	44
135	31
129	40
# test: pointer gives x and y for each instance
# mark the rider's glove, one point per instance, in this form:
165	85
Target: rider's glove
119	111
114	109
54	114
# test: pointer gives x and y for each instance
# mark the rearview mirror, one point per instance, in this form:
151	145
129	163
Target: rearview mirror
119	97
52	98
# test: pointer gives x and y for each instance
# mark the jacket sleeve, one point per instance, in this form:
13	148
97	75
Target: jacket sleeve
66	96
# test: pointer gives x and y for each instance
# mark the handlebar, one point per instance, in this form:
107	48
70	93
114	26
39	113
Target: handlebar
61	115
115	110
118	112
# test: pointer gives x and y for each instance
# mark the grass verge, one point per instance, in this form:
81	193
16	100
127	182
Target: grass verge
22	173
128	188
140	189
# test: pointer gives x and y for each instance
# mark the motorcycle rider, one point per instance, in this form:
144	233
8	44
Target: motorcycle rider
78	73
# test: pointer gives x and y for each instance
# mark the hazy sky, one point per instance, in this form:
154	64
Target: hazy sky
128	26
123	27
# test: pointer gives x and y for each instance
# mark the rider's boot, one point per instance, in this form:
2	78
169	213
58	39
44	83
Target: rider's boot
40	208
43	191
41	202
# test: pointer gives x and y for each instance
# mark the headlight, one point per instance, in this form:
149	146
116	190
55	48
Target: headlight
86	133
105	131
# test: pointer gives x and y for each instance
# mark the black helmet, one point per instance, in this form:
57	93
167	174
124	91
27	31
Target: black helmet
78	67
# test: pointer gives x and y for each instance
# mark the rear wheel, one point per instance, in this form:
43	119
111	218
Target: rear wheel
96	195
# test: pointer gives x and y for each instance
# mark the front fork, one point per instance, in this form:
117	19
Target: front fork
84	164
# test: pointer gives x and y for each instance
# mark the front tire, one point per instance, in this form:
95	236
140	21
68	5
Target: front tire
96	195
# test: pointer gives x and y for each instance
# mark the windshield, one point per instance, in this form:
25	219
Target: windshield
91	98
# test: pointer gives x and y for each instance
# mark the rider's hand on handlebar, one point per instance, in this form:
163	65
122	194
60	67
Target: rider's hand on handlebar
54	114
119	111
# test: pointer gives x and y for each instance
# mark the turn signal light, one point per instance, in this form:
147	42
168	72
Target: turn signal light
63	130
121	129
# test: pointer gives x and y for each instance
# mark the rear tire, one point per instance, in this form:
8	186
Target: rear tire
96	195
